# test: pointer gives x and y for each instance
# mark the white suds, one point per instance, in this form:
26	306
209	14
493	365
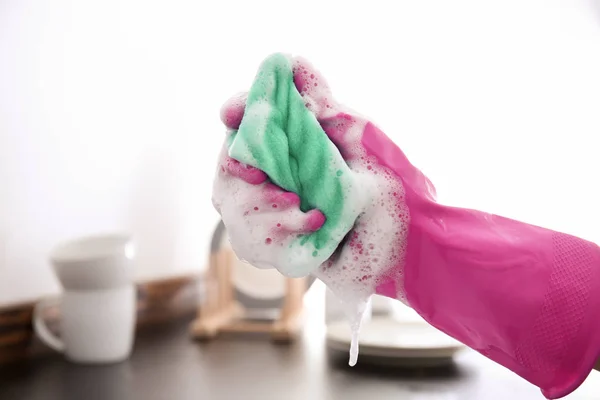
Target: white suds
354	347
355	314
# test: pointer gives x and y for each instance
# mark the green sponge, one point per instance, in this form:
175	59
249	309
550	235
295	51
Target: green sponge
282	137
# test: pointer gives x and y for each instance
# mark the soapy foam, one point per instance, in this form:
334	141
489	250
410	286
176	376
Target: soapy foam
374	247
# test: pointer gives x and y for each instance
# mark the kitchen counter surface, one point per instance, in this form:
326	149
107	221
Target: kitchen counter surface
167	364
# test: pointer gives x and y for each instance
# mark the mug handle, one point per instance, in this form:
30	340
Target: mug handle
40	328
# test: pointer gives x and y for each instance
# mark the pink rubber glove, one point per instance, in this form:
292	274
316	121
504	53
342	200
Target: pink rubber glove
524	296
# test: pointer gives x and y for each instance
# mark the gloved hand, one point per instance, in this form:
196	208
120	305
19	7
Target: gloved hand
524	296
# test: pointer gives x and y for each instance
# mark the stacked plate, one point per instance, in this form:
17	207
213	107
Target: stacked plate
384	340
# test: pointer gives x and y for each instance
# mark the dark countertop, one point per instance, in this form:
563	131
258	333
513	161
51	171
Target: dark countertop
167	364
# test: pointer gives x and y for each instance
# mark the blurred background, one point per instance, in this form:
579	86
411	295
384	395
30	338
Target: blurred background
109	112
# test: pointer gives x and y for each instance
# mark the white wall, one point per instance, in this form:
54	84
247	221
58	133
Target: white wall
109	111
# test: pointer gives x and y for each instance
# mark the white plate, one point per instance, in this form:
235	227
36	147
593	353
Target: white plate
387	338
259	284
263	284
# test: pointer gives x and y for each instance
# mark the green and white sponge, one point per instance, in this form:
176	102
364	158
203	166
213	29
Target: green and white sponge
279	135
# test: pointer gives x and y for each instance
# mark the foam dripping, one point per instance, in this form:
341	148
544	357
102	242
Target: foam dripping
355	314
354	303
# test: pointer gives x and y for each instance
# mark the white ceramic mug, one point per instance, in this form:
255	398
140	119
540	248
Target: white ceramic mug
98	306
